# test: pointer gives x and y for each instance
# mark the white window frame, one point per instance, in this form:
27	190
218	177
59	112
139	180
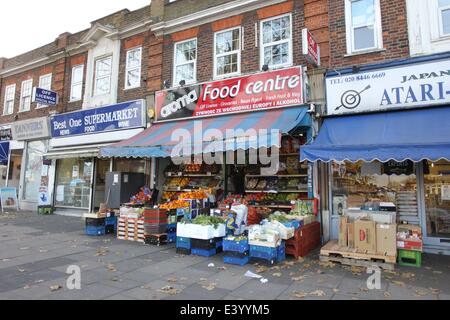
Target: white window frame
73	83
378	29
128	68
41	78
96	77
24	94
237	51
441	25
289	41
175	65
7	88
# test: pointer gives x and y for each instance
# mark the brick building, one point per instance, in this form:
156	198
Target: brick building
117	60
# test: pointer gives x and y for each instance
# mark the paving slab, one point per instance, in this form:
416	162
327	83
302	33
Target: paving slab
255	290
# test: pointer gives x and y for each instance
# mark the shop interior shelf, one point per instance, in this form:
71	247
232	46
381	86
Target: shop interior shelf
193	175
277	175
277	191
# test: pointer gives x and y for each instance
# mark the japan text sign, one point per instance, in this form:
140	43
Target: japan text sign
268	90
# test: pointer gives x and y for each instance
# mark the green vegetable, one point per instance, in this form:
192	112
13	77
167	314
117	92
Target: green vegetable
208	220
277	216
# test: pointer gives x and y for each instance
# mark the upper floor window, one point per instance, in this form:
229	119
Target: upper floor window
76	84
10	92
25	95
133	68
103	72
185	61
45	82
276	41
363	20
444	17
227	52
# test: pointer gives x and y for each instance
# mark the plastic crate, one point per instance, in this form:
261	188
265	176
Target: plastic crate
90	222
172	237
236	261
262	261
110	229
111	221
236	246
207	244
293	224
184	251
184	243
204	252
281	252
183	211
266	253
95	231
157	240
409	258
45	210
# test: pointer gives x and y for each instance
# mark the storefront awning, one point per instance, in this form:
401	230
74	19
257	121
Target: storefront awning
4	152
228	133
72	153
404	135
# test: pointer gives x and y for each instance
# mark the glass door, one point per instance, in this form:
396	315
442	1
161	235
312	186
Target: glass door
437	202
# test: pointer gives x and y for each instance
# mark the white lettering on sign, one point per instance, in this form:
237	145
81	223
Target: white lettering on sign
413	85
180	103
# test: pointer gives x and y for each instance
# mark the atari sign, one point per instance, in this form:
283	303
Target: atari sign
262	91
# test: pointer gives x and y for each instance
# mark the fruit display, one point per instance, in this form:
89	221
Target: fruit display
169	195
252	183
195	195
293	183
144	195
261	185
193	168
177	204
255	197
272	183
177	182
292	165
292	197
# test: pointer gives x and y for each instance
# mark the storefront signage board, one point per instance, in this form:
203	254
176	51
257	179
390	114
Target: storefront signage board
398	168
268	90
32	129
44	96
311	49
127	115
414	85
5	134
8	197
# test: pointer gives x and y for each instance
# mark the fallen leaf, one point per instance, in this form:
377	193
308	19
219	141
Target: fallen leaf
300	278
435	291
437	272
115	279
387	295
111	268
183	279
43	251
203	279
421	292
147	286
172	280
399	283
336	290
408	275
27	287
222	268
327	264
277	274
210	286
21	270
299	294
169	290
318	293
39	281
289	263
55	288
363	289
261	269
320	272
275	268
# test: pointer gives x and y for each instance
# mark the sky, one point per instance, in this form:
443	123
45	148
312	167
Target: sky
29	24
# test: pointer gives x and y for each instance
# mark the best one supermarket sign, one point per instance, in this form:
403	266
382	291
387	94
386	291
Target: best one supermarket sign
269	90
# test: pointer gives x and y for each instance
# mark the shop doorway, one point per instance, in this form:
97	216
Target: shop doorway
436	192
11	179
101	168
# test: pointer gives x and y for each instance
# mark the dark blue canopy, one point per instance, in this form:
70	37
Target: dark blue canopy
404	135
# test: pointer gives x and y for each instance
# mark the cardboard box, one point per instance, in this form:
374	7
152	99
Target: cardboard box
343	238
384	217
351	234
365	236
387	239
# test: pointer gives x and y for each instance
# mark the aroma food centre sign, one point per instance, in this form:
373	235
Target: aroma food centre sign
268	90
414	85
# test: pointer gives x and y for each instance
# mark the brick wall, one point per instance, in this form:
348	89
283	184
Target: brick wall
250	55
67	105
395	34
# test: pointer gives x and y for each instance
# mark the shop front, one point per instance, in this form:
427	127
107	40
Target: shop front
31	136
386	142
78	183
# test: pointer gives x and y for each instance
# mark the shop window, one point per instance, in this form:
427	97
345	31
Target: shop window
366	186
227	52
33	169
185	62
129	165
103	72
45	82
437	198
363	20
25	95
444	17
133	68
76	87
10	93
276	42
73	183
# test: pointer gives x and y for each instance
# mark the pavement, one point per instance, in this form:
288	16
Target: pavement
36	252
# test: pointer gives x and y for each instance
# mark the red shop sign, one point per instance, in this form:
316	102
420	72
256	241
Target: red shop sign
269	90
311	49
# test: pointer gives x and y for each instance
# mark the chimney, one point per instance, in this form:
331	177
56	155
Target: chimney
63	40
2	62
157	10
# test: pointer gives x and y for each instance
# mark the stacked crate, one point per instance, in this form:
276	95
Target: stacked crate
206	248
155	226
111	225
236	252
184	245
131	229
268	255
306	239
95	226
